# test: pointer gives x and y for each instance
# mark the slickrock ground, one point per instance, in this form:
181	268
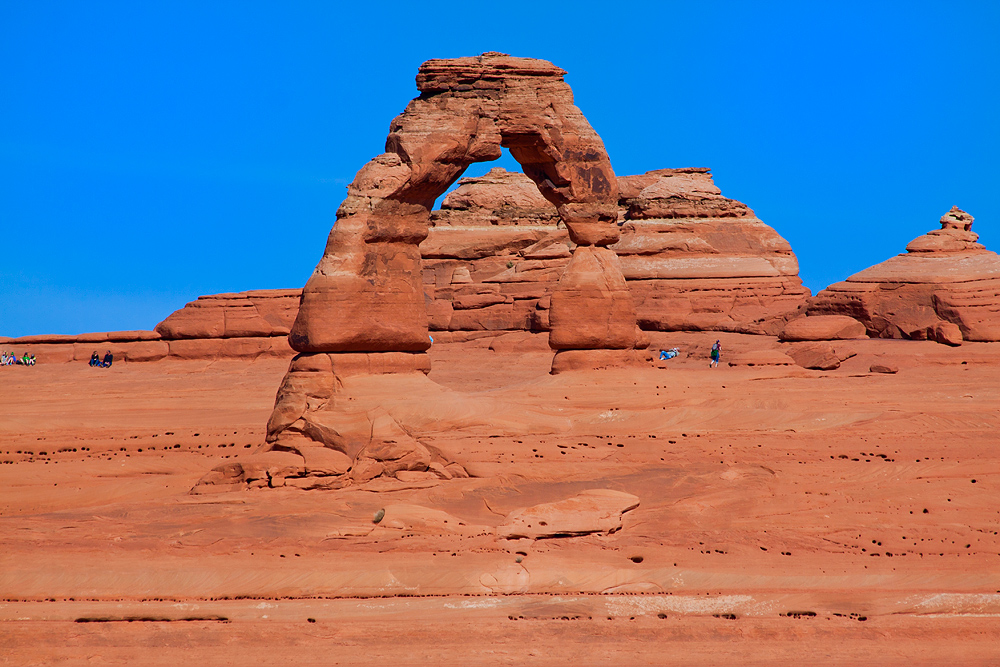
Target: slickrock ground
839	517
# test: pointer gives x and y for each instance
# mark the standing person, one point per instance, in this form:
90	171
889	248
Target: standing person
716	354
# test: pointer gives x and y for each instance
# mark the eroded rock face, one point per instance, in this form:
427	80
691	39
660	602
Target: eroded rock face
494	254
367	292
695	260
496	249
945	280
823	327
259	313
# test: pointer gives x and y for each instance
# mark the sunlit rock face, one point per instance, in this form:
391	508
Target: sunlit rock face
945	287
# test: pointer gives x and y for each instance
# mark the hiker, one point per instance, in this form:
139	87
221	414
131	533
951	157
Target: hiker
716	353
31	360
669	354
108	358
94	359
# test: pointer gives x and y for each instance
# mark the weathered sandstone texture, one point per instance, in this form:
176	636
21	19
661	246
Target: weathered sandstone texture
946	287
823	327
255	314
363	311
493	255
692	259
367	292
695	260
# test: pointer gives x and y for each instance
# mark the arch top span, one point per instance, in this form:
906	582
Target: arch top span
367	291
471	107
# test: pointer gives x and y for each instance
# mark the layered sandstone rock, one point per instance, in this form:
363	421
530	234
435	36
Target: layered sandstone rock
123	345
367	292
946	287
496	249
254	314
493	255
695	260
822	327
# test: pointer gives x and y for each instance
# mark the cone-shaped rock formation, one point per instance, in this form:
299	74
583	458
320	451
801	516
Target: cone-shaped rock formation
946	287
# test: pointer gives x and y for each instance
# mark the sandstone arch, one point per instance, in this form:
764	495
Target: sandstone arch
355	399
366	294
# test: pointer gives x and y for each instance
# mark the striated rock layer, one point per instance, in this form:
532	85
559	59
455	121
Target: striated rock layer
258	313
946	287
692	259
695	260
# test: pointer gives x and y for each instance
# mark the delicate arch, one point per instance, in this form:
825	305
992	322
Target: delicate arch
366	294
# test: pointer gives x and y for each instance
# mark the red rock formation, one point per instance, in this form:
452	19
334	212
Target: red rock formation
366	296
823	327
946	287
259	313
494	253
695	260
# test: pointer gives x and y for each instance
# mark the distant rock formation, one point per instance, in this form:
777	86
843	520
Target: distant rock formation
946	287
695	260
259	313
692	259
493	255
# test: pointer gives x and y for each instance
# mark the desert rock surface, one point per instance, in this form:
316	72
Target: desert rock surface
775	508
946	287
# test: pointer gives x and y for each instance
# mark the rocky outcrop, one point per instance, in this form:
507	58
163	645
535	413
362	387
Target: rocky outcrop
493	255
255	314
946	287
496	249
367	292
695	260
124	346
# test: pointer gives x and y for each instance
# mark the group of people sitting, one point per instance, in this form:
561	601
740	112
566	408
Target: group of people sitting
102	363
10	359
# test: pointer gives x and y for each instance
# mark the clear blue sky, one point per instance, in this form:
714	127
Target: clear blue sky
151	152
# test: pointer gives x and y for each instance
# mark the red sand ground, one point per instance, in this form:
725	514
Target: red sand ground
778	508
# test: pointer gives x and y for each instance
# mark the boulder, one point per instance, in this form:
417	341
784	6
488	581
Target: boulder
815	356
948	333
594	511
823	327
